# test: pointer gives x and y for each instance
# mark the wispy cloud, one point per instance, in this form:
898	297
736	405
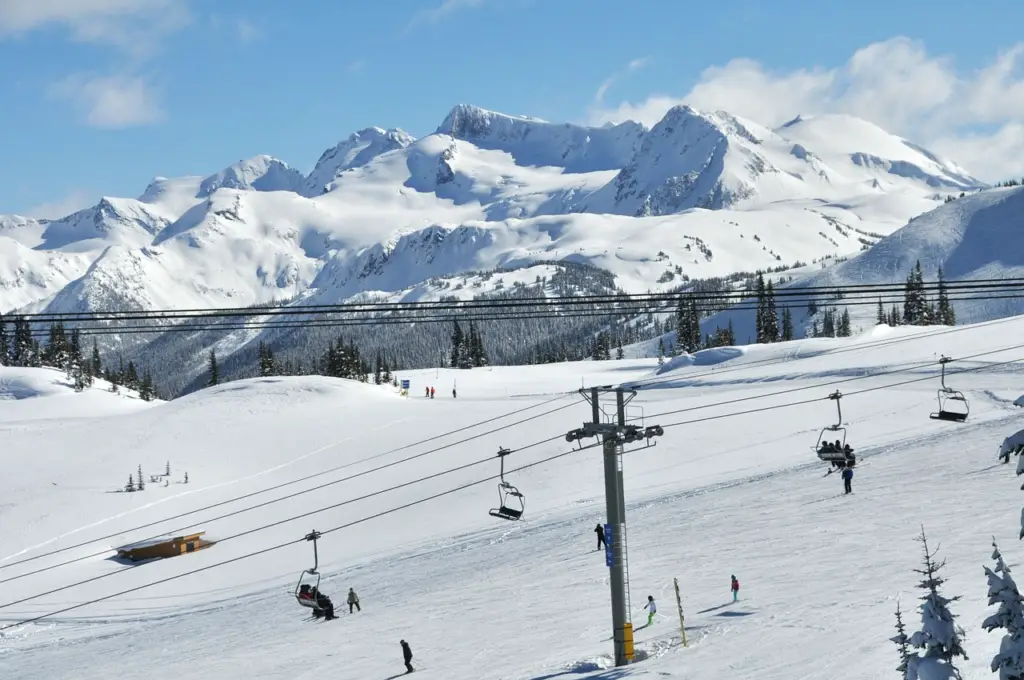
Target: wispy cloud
62	207
136	26
975	117
247	31
602	90
447	7
111	101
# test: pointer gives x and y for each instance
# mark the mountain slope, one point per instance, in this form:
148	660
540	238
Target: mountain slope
359	149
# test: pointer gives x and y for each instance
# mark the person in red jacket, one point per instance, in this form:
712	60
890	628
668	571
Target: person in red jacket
735	589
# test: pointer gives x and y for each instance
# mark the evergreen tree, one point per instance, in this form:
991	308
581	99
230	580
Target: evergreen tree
96	365
844	330
661	352
881	319
902	641
146	390
458	340
130	486
619	353
787	325
940	638
730	335
5	346
688	325
378	369
762	305
212	369
944	310
915	303
771	315
131	376
828	324
141	485
1002	590
267	364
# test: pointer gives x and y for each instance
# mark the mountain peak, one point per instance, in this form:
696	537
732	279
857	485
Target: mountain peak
355	151
259	173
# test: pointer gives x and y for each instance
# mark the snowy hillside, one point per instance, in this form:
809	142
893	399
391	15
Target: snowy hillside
382	211
733	487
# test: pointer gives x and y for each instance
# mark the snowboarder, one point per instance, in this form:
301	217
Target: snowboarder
848	479
353	601
407	655
735	587
653	609
599	530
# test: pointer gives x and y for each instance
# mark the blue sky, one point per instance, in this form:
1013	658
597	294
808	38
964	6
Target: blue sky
102	95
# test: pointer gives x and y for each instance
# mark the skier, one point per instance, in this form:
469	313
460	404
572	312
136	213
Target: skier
653	609
353	601
407	655
323	603
431	392
599	530
426	392
735	587
454	394
848	479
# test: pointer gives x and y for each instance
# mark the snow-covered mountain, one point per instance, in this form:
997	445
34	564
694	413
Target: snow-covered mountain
700	194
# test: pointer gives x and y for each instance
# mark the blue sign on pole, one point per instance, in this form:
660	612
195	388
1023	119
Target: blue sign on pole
609	556
405	384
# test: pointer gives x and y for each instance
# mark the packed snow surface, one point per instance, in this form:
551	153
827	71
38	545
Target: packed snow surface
733	487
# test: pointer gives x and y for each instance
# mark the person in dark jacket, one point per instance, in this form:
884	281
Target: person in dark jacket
848	479
323	602
599	530
735	588
353	601
407	655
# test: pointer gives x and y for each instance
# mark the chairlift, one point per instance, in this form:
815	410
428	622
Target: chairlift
948	397
512	504
308	585
837	453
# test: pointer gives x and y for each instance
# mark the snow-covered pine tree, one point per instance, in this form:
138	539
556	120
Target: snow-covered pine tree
881	317
213	370
146	390
130	486
661	352
915	303
944	309
131	376
378	369
167	469
266	360
1009	661
902	641
619	353
141	484
940	638
771	314
828	324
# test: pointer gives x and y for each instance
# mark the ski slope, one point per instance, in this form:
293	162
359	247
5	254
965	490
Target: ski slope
732	488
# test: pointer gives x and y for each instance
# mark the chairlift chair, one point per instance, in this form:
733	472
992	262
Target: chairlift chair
310	579
949	397
512	503
841	456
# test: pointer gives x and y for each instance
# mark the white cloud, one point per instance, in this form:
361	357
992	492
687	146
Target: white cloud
602	90
440	11
73	202
111	101
132	25
896	84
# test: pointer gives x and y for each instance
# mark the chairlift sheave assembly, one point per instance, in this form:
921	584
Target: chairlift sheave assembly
837	453
511	503
953	405
308	585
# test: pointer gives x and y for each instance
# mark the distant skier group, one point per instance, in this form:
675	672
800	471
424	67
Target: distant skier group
428	392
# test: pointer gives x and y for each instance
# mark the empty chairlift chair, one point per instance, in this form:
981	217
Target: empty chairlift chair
836	452
511	503
953	405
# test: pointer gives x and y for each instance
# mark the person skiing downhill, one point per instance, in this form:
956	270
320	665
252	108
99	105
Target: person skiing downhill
848	479
735	587
599	530
353	601
652	608
407	655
